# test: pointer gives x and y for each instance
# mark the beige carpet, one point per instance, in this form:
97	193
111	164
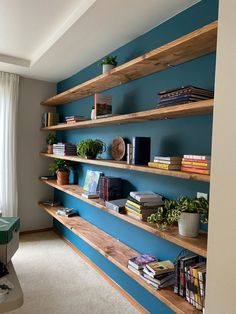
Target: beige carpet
55	280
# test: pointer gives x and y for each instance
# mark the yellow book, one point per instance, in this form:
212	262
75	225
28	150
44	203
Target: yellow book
160	165
197	298
50	118
195	163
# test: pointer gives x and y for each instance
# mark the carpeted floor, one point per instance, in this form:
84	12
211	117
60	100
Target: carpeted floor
55	280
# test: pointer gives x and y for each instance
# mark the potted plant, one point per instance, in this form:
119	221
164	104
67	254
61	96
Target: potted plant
61	168
189	212
90	148
108	63
50	140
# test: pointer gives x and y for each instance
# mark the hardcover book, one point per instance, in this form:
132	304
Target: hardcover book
117	205
141	150
160	267
139	261
110	188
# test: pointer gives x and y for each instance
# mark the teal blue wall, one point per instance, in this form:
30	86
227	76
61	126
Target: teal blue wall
179	136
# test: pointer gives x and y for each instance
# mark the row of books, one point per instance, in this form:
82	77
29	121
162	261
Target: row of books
187	163
190	280
49	119
64	149
183	95
140	205
158	274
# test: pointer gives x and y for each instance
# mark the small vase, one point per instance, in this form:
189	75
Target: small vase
62	177
93	115
107	68
50	149
189	224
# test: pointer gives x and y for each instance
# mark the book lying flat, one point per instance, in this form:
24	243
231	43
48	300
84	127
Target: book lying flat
139	261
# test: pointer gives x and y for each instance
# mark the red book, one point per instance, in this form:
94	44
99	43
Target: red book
195	170
196	167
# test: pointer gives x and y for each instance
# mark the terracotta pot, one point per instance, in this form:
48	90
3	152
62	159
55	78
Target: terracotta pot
189	224
62	177
50	149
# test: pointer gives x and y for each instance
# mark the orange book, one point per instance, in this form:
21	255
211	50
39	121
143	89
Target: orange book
195	170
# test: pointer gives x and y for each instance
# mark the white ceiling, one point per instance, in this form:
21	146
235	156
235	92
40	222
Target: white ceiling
53	39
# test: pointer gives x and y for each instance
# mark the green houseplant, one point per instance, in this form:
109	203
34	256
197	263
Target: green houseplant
61	168
108	63
50	140
163	218
90	148
188	212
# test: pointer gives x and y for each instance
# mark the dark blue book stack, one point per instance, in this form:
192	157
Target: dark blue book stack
141	150
183	95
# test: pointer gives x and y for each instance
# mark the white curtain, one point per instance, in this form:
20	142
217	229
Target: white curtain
9	89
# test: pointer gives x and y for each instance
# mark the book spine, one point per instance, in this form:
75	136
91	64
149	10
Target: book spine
177	275
195	170
163	166
129	154
193	163
201	157
196	294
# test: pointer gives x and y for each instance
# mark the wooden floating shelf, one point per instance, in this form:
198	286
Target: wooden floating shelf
197	245
172	112
119	254
196	44
125	166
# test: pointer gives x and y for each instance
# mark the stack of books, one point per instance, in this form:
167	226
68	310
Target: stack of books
157	274
140	205
196	164
166	163
73	119
183	95
137	263
190	280
49	119
66	212
64	149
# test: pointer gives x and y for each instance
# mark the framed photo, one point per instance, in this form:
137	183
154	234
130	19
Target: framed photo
91	182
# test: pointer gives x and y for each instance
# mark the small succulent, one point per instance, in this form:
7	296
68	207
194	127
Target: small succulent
109	60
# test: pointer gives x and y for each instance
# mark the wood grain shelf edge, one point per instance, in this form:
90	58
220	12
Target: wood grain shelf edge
172	112
123	165
195	44
197	245
119	253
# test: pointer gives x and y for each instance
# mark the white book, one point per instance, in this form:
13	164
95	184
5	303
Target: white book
145	196
200	157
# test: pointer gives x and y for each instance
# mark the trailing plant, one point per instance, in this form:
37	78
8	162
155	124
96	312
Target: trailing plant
90	148
59	165
170	212
164	217
51	139
109	60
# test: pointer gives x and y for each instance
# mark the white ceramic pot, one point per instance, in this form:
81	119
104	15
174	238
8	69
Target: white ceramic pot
189	224
107	67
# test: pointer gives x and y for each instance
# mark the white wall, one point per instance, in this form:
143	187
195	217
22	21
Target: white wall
30	142
221	265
